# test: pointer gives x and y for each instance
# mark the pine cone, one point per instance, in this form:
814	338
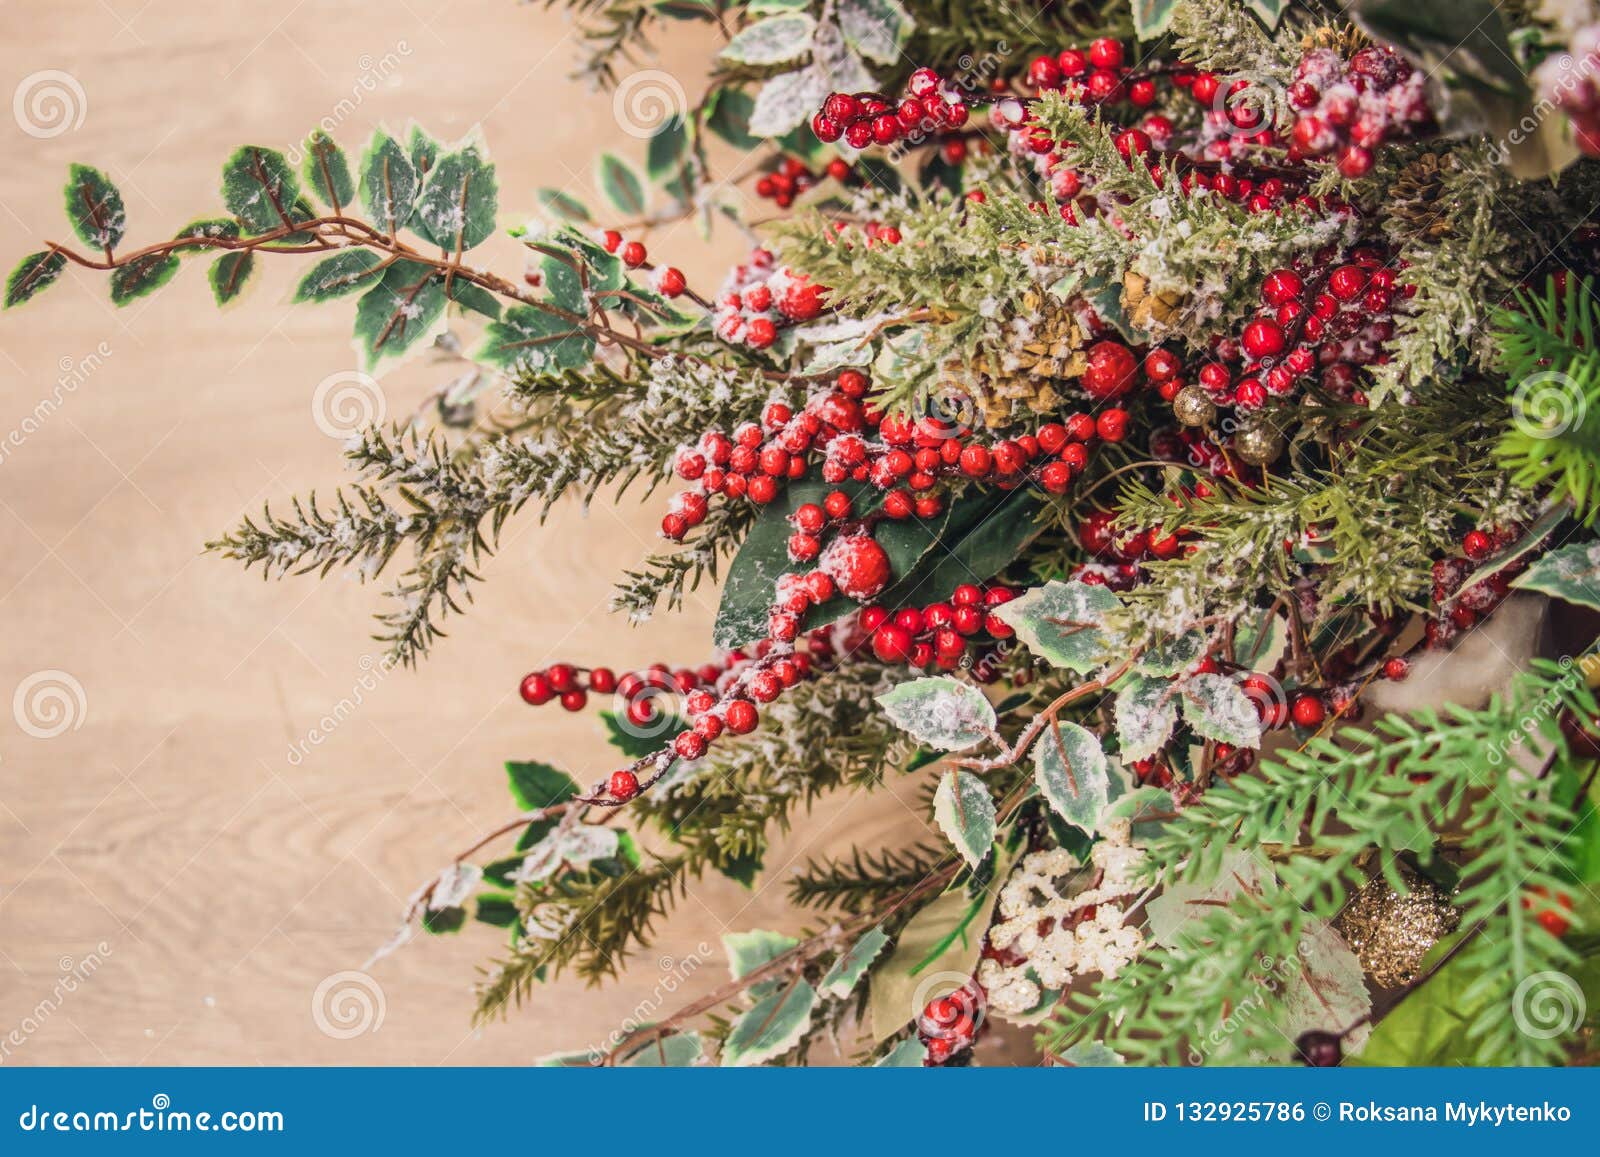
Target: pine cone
1034	365
1146	310
1345	39
1418	192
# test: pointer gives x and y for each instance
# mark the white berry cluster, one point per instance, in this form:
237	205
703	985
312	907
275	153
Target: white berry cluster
1054	934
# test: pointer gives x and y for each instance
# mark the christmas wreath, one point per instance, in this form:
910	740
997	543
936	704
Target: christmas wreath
1169	430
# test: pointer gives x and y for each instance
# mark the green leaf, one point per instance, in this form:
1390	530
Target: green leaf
259	187
94	206
965	813
940	711
748	951
1260	638
1073	773
423	149
496	909
142	276
787	100
229	274
562	284
1269	12
1146	714
910	1053
1467	38
399	311
668	146
444	921
459	199
847	971
1063	623
627	739
389	182
982	534
327	171
564	205
770	1029
32	274
1217	708
343	273
729	118
620	184
531	341
1171	656
208	227
742	869
1570	573
775	40
535	786
877	29
474	297
1151	17
676	1051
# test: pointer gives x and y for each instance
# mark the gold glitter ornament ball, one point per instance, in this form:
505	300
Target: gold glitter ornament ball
1258	445
1193	407
1391	932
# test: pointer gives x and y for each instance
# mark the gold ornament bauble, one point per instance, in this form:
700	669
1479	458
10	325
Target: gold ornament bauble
1390	932
1259	445
1194	407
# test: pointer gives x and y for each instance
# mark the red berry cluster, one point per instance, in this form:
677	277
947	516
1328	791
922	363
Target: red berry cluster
949	1024
665	279
1463	603
1121	553
1098	75
907	458
757	298
1349	108
867	118
939	633
792	177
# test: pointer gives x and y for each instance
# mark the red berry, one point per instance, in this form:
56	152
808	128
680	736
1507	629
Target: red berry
1262	339
741	717
1348	282
1161	365
1056	477
1105	53
858	565
633	254
826	128
1044	72
976	461
536	689
623	785
1112	424
574	700
898	504
764	686
1110	370
1072	63
804	547
760	333
689	744
612	240
762	489
1396	669
602	680
672	282
892	643
852	383
837	504
1308	711
1080	427
1477	545
563	677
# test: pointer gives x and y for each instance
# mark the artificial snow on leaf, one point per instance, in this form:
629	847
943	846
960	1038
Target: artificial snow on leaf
1218	709
567	847
260	188
787	100
940	711
389	182
852	965
775	40
964	811
399	312
877	29
1183	905
142	276
94	206
1073	773
770	1029
459	199
346	272
1171	656
532	341
674	1051
327	171
32	274
1063	623
1146	711
455	885
1570	573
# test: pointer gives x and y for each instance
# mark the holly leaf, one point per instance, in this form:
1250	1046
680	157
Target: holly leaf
1260	638
1217	708
667	147
341	274
459	198
33	273
142	276
748	951
1269	12
1151	17
675	1051
1570	573
770	1029
775	40
1073	773
94	207
910	1053
531	341
229	274
399	311
260	188
877	29
965	813
389	182
327	171
852	964
620	184
1063	623
1172	656
981	535
940	711
564	205
1146	713
787	101
729	118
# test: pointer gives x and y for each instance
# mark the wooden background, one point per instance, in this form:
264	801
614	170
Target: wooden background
165	835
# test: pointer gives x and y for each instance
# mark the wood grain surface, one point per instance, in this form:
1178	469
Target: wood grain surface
165	835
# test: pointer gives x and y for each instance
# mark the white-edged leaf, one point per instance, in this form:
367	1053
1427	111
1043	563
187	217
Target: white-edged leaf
345	272
1175	915
775	40
1171	656
1327	988
877	29
940	711
677	1051
1091	1054
1072	771
787	101
852	965
1260	638
770	1029
748	951
1151	17
1063	623
1216	707
1145	713
620	184
908	1054
1570	573
964	811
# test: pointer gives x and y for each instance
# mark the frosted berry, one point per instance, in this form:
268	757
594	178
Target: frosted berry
1110	370
689	745
741	717
623	785
858	565
1477	545
671	282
